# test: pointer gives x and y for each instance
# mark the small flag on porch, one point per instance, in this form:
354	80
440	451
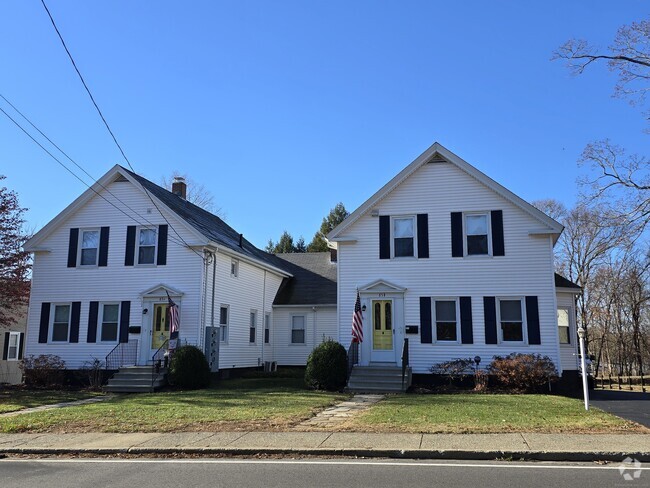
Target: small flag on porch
357	321
174	321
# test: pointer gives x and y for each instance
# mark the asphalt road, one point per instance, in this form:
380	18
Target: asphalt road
634	406
319	473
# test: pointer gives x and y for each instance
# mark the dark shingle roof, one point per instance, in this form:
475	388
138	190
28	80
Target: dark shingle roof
562	282
313	282
207	224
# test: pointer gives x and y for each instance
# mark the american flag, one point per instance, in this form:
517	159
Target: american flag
357	321
174	319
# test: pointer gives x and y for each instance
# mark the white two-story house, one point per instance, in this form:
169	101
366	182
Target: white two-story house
449	259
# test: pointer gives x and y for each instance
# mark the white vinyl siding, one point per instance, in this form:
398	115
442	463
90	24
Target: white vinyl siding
53	282
438	189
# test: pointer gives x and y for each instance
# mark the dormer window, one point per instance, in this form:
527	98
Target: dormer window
477	240
403	237
147	246
89	244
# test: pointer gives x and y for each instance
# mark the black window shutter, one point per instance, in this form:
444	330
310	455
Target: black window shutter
129	255
125	314
466	330
490	316
532	319
45	323
72	248
93	313
423	235
162	245
456	234
498	249
74	321
425	320
5	349
21	345
103	246
384	237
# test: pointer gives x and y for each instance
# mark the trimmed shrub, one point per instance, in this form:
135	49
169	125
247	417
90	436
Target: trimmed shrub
454	369
189	369
44	371
523	372
327	366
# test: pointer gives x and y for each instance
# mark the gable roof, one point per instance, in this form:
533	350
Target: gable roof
205	227
436	154
562	282
313	282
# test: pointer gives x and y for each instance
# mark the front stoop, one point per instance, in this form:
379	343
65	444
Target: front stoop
136	379
378	379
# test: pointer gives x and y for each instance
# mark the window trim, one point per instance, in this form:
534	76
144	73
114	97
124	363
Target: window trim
100	323
252	327
137	245
234	268
434	336
227	324
17	336
304	329
488	216
51	322
80	247
524	325
413	218
569	326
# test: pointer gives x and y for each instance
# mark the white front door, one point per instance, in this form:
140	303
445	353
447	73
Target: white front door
383	331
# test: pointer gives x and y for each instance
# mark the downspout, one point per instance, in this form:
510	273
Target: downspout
263	316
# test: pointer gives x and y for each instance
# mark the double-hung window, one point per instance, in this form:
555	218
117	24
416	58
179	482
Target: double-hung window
12	348
446	319
253	327
223	322
61	323
297	329
267	328
404	237
511	320
89	243
563	325
477	234
234	268
109	322
147	240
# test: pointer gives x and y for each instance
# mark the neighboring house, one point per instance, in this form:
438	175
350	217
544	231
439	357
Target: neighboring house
12	341
446	257
104	268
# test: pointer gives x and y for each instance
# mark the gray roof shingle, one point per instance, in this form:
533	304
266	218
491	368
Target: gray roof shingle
562	282
313	282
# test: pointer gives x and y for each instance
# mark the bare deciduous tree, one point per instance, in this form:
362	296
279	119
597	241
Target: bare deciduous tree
197	193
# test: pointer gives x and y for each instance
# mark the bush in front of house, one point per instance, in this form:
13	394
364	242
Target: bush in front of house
327	366
454	369
523	372
189	369
44	371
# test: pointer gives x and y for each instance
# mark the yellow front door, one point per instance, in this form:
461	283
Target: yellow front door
160	332
382	325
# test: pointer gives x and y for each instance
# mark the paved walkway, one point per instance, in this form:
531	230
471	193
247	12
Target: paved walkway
51	406
336	415
552	447
631	405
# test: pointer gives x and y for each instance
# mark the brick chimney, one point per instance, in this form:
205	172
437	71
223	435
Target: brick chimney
179	187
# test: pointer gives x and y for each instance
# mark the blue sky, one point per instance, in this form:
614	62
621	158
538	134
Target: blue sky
284	108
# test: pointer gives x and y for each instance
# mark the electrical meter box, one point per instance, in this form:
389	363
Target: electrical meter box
212	347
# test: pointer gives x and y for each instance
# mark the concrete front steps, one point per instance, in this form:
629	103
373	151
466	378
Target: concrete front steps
378	378
136	379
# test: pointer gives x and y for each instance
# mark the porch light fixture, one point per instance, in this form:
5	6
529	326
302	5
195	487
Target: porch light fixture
363	309
145	311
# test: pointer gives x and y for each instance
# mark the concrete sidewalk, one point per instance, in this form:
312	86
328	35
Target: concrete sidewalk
549	447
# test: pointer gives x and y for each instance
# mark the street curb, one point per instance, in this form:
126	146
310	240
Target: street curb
346	452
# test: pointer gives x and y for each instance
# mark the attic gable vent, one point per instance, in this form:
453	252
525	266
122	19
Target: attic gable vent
120	179
437	158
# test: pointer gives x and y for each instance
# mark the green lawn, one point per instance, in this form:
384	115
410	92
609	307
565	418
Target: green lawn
15	399
473	413
257	403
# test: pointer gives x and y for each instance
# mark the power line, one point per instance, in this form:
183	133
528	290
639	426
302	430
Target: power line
77	176
77	164
107	126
